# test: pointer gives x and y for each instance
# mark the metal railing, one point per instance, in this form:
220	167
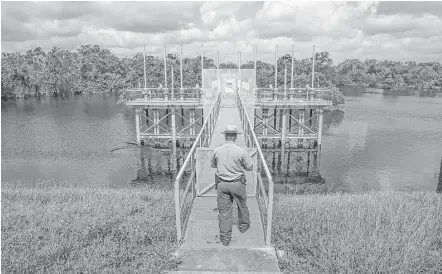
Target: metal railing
164	94
202	140
292	94
252	142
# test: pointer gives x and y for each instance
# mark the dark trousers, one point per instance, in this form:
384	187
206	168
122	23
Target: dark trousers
227	192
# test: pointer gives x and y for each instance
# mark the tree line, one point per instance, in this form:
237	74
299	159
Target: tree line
92	69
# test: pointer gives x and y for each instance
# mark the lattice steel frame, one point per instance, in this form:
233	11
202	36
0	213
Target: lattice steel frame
271	126
154	130
287	129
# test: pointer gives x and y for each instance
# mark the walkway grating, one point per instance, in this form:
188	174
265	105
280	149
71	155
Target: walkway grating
203	231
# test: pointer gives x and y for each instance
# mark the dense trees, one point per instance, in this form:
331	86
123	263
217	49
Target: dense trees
92	69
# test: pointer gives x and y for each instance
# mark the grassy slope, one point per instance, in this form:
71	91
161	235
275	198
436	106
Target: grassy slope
379	232
132	231
87	230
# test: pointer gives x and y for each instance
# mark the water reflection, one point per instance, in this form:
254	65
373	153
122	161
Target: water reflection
333	118
358	91
410	92
350	90
439	184
156	169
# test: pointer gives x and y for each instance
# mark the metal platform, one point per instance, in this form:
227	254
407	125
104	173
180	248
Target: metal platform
164	97
295	104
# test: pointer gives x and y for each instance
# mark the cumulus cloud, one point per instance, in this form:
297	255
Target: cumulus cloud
305	20
411	7
147	17
399	25
213	12
380	30
231	30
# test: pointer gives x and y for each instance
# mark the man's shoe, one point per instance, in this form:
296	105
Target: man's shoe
244	230
226	243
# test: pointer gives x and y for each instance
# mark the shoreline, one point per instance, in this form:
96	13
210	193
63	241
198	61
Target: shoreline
335	108
12	96
50	229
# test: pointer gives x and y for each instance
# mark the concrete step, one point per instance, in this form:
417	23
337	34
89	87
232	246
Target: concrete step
227	260
217	272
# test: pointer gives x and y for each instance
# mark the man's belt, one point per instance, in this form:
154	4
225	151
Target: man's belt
241	179
232	181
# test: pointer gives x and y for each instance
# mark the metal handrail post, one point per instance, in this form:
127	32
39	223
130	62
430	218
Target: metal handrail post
144	67
165	67
293	65
313	72
177	209
172	86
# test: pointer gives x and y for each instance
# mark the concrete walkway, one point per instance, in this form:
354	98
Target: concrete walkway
229	260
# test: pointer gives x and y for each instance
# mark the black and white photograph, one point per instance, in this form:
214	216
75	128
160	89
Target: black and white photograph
298	137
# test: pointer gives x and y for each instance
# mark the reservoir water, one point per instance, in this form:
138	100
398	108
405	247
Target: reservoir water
378	143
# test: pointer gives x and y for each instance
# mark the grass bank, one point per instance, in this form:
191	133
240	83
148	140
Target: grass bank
378	232
53	229
47	229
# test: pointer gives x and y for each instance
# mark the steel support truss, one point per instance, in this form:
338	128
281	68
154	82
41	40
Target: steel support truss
288	129
288	126
163	127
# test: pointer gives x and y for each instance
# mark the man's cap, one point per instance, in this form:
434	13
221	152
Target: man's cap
231	129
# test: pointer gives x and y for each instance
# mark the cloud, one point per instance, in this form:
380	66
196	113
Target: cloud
212	12
399	25
150	17
230	30
303	21
410	7
380	30
15	31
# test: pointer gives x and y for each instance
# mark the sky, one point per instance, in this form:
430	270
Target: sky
399	31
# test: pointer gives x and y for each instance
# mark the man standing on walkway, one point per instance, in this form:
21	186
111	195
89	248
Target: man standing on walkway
231	161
